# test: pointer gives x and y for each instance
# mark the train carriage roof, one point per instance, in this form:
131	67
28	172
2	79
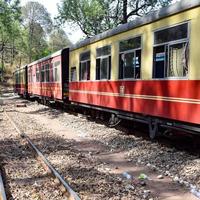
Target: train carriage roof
55	54
140	21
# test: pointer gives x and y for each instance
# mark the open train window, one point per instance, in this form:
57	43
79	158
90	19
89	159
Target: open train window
37	74
73	74
47	72
84	70
42	73
171	52
103	63
30	79
130	58
56	71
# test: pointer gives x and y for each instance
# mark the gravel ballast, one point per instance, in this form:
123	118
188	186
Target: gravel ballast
86	174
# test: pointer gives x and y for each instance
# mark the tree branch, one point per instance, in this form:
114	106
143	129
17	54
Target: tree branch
135	12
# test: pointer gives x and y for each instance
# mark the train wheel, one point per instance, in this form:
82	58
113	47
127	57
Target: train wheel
153	128
114	120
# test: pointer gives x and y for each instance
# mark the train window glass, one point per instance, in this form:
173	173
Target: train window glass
56	71
170	34
103	63
42	74
171	58
37	74
103	51
130	58
29	76
47	73
73	74
129	44
85	56
84	70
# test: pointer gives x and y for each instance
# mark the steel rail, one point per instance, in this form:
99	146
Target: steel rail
72	194
2	189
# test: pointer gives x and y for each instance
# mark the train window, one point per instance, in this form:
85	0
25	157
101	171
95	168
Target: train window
103	63
84	70
30	74
73	74
103	51
171	52
37	74
56	71
130	58
42	74
170	34
133	43
85	56
47	72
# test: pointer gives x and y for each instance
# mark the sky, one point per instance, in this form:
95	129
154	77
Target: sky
74	34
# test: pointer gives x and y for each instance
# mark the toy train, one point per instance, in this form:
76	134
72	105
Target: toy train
146	70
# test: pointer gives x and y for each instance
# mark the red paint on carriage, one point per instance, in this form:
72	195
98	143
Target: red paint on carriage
172	99
51	90
20	89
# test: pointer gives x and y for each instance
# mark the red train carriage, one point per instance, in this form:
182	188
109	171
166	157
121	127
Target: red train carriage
48	77
20	81
146	70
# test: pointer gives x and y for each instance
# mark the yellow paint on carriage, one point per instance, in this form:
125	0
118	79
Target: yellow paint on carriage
147	33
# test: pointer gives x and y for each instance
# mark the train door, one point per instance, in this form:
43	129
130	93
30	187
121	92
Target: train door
65	74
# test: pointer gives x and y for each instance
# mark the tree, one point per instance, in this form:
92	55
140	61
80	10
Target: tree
58	40
37	24
140	7
96	16
87	14
9	29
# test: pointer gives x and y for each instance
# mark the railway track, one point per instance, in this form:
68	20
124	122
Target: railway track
2	189
62	184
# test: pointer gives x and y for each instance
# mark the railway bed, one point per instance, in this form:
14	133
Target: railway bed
45	163
91	167
23	176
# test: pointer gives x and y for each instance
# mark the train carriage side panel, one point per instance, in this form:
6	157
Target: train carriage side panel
46	76
176	98
20	81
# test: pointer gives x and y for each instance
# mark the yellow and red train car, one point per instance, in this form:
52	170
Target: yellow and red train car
146	70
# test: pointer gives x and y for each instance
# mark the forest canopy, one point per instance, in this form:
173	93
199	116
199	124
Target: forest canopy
28	32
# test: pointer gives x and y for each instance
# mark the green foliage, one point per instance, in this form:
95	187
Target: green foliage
25	34
58	40
37	24
89	15
96	16
9	22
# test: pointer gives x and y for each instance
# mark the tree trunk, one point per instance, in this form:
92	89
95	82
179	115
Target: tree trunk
125	18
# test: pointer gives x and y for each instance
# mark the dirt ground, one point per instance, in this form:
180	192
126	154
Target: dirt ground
70	144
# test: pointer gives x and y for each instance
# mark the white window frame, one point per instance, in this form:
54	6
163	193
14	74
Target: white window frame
185	40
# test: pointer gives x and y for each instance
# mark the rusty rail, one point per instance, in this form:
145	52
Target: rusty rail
72	195
2	190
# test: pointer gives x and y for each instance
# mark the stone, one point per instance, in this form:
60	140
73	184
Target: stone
160	176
